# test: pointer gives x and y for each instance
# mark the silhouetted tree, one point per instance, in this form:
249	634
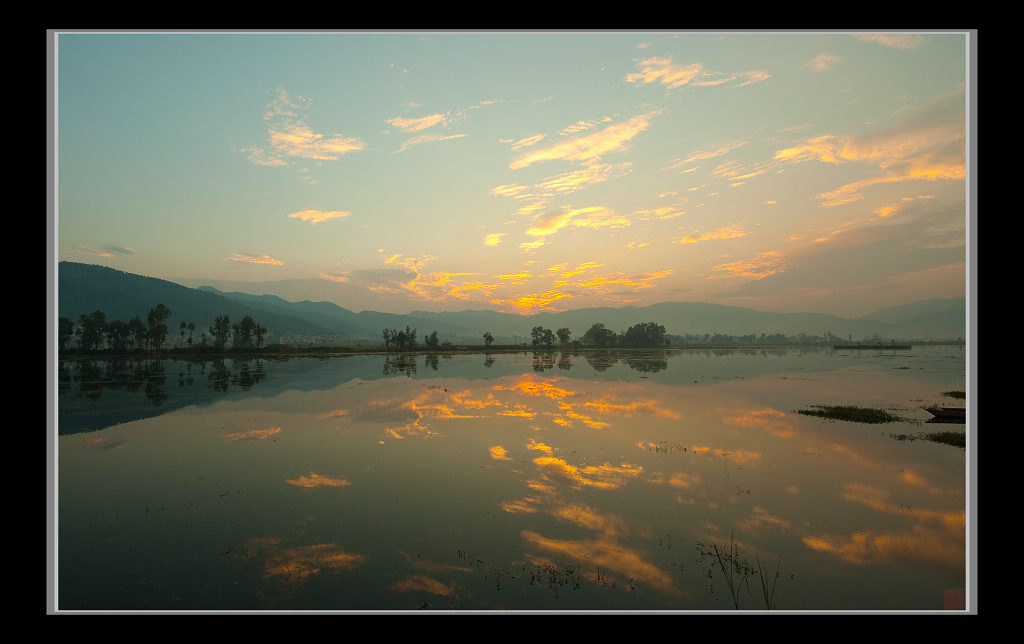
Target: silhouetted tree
65	331
542	336
220	331
136	332
258	333
647	334
118	335
244	332
564	335
157	328
91	329
598	336
488	338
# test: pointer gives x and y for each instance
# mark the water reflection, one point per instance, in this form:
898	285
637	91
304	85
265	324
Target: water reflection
518	486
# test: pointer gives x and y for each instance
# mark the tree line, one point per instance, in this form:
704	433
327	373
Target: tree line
93	332
646	334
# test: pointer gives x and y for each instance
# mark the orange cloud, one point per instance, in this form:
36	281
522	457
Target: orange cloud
726	232
415	125
317	216
248	258
666	72
421	584
588	149
763	265
318	480
638	281
255	434
896	41
533	301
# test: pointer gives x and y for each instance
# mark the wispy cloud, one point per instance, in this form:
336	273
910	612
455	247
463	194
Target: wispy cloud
427	138
493	239
895	41
931	145
417	124
249	258
107	251
290	137
665	71
318	480
589	149
526	303
822	62
602	283
590	217
725	232
317	216
702	155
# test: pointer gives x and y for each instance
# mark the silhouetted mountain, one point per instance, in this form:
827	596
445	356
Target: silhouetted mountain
924	316
84	288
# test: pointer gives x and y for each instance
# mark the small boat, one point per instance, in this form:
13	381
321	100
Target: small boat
947	412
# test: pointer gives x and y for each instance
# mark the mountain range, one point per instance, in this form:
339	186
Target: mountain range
84	288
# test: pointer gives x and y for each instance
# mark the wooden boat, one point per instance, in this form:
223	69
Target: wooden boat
947	412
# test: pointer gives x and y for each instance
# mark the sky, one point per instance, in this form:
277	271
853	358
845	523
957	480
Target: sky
522	171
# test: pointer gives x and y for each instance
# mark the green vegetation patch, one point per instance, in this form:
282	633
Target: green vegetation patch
956	439
955	394
851	413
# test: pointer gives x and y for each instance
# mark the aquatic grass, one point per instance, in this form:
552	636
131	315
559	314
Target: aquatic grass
726	563
851	413
768	592
737	573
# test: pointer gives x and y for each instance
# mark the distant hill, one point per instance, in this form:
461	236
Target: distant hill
84	288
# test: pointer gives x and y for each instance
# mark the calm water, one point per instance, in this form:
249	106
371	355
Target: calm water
509	482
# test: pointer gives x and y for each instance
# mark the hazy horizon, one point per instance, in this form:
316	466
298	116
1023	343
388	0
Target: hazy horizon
521	172
295	295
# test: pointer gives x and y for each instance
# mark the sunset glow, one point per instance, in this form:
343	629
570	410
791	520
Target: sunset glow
521	171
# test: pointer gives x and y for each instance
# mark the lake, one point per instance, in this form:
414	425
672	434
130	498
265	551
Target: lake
677	480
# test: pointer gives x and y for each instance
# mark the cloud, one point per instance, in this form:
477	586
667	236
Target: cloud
673	75
930	145
415	125
533	301
108	251
299	140
290	137
702	155
317	216
249	258
493	239
892	256
666	72
579	126
318	480
570	182
527	142
588	149
602	283
822	62
427	138
894	41
725	232
590	217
